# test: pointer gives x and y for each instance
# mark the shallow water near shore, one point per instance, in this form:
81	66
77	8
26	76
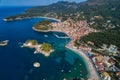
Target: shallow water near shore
16	63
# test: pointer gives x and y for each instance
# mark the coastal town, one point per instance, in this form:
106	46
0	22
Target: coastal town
75	30
101	66
101	61
77	40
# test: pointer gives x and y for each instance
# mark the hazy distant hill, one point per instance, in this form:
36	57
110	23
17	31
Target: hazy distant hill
100	2
105	14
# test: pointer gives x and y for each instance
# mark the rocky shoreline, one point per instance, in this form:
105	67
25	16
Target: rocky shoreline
38	48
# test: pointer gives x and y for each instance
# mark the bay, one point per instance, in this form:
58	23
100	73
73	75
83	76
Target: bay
16	63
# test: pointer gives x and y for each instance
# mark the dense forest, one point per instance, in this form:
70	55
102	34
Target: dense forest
46	47
105	37
42	25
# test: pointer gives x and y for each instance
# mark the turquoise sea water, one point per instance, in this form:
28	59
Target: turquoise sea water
16	63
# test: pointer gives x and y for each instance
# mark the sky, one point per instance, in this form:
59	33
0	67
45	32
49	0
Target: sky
31	2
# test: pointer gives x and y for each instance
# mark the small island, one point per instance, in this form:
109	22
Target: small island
44	48
36	64
4	43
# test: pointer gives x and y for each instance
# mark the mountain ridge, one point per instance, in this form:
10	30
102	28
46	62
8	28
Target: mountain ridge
99	11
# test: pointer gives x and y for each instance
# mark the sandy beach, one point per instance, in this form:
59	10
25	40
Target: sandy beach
93	74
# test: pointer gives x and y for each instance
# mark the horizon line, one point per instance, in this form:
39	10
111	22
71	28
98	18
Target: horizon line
38	5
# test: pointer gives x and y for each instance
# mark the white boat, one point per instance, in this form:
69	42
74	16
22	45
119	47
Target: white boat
4	19
21	46
45	35
4	43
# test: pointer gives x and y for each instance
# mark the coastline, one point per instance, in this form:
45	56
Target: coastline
20	18
51	31
92	71
93	75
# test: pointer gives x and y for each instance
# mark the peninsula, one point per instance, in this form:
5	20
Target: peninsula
4	43
45	48
43	26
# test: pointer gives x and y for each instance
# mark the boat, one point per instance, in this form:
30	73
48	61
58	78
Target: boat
45	35
4	43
